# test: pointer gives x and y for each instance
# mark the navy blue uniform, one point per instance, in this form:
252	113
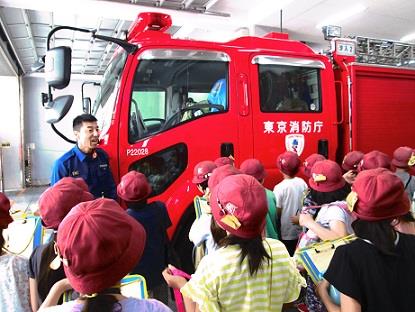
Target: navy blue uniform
94	169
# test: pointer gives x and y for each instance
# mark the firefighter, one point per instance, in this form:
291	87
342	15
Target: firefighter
85	160
217	94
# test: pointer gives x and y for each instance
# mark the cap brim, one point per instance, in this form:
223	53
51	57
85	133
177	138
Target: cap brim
198	180
399	164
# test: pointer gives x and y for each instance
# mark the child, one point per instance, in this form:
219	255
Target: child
289	194
222	161
54	205
134	190
350	163
201	173
403	159
201	228
220	173
248	272
14	284
374	159
376	271
200	234
309	162
328	189
254	167
99	244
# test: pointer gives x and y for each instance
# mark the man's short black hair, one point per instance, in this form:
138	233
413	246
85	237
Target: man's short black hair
77	122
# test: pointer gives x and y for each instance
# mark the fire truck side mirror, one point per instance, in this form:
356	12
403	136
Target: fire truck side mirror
58	108
58	67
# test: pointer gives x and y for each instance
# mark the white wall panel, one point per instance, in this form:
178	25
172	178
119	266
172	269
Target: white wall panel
10	132
48	145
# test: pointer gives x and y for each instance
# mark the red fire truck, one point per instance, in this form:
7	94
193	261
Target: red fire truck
166	104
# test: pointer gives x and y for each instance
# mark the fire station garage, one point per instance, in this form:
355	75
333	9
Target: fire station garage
263	148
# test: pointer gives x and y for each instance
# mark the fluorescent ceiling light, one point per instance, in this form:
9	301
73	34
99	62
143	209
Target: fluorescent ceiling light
337	18
408	37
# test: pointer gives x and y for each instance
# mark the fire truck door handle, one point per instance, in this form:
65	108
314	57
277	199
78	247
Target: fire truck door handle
226	149
341	103
243	95
323	147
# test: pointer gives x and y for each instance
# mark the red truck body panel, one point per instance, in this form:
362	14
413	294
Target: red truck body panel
383	110
382	103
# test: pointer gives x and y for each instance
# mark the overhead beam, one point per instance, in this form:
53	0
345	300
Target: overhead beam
30	33
13	60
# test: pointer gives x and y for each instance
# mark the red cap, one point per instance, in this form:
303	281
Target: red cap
378	194
403	157
78	181
288	163
220	173
239	205
59	199
221	161
352	160
202	171
374	159
309	162
99	244
5	218
326	176
253	167
133	187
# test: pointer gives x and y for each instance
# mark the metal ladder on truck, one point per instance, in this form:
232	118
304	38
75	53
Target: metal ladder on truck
384	52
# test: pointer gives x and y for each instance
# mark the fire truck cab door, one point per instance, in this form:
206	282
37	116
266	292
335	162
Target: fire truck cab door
289	109
177	115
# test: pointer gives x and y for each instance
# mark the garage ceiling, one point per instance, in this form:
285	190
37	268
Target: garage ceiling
26	23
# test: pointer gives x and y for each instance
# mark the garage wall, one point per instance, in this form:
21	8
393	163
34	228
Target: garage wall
10	114
45	145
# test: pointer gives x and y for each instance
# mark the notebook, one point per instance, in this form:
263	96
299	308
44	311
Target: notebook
316	257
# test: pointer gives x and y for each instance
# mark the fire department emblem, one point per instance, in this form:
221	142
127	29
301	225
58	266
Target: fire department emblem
294	143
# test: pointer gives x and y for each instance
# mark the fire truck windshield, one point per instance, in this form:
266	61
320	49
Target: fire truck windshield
104	104
169	92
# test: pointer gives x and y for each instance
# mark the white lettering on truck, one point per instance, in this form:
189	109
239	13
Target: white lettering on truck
296	126
137	151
